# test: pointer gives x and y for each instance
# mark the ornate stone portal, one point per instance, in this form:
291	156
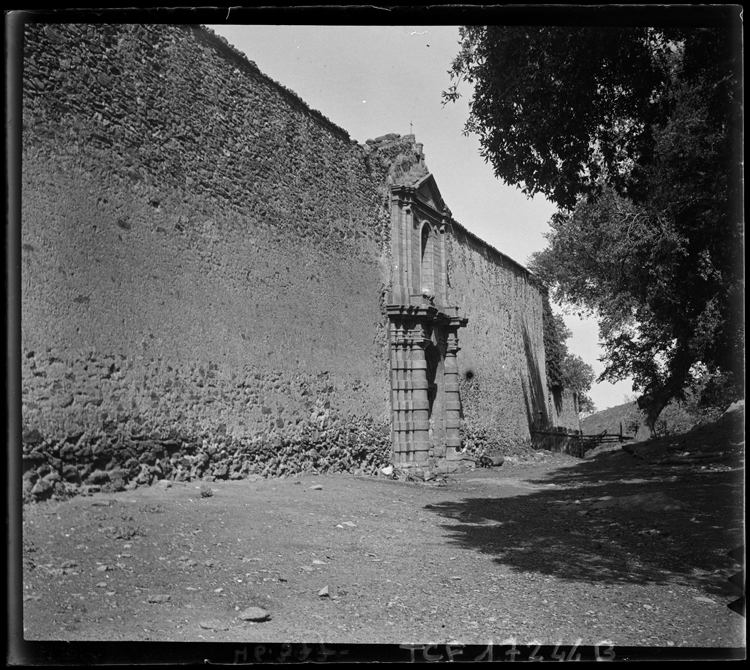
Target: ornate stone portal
425	400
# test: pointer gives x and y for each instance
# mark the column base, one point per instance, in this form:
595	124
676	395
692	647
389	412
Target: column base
427	469
453	454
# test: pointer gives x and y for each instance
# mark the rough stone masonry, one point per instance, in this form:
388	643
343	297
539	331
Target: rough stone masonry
216	280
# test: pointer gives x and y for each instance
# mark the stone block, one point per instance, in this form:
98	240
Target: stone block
32	437
70	473
43	488
97	477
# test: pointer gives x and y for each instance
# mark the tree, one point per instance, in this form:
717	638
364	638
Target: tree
578	377
565	370
557	107
635	134
555	349
632	422
709	396
586	405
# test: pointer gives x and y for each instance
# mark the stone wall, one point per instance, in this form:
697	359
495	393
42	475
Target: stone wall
563	407
203	263
501	362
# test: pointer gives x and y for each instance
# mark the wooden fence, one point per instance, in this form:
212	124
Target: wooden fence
574	443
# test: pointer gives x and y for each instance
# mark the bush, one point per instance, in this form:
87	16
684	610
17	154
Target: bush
482	440
674	420
710	396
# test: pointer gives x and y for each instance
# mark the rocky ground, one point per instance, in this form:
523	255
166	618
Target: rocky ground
628	548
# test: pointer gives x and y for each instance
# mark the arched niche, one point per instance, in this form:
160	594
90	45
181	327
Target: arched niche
429	265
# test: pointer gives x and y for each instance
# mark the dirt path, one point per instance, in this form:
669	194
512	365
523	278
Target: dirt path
525	552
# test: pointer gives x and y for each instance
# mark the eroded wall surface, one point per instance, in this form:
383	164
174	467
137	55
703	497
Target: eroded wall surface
501	362
203	263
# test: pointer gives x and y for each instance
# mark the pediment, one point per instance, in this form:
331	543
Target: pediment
429	194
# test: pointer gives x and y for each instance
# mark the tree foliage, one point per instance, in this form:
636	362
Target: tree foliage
555	108
635	134
555	349
578	376
565	370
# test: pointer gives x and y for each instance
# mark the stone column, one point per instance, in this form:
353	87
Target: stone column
420	446
410	334
443	262
408	228
399	438
452	397
401	229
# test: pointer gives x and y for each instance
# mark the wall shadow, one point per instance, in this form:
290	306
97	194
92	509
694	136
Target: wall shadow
557	398
534	391
533	531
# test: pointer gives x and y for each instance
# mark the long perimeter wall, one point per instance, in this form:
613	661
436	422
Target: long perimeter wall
502	362
203	260
204	265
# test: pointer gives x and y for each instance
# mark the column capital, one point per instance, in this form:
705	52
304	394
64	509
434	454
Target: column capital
445	221
424	311
458	322
404	195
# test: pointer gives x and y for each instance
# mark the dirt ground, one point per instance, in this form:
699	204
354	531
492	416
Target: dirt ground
554	550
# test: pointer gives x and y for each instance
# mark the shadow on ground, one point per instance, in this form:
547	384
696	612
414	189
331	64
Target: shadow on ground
553	528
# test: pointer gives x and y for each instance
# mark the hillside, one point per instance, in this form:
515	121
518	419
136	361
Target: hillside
610	420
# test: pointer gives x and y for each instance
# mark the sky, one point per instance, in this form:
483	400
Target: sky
374	80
